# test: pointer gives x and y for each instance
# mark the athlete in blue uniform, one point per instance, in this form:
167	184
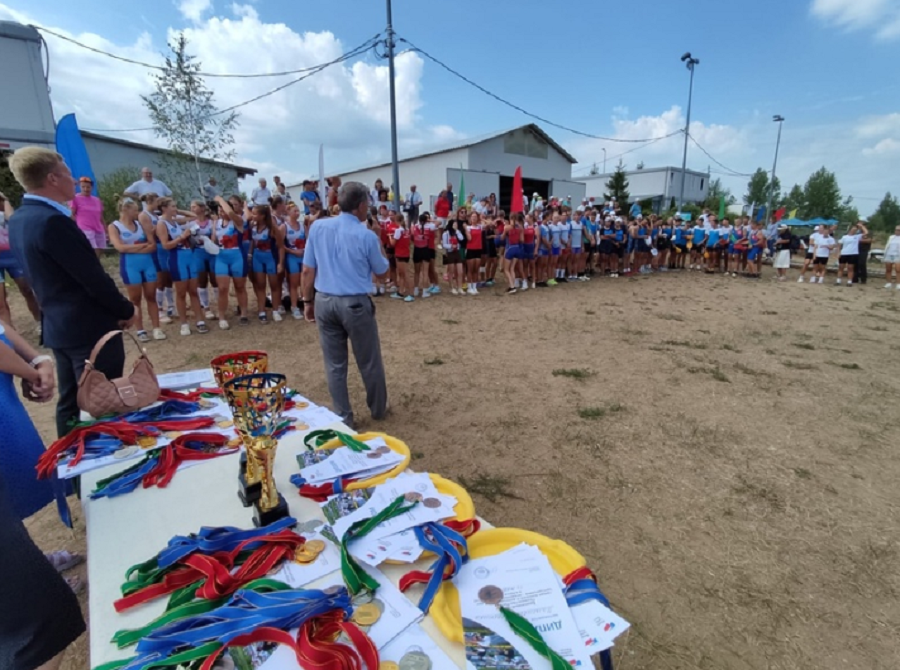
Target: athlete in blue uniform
165	295
267	259
137	264
231	264
294	247
175	237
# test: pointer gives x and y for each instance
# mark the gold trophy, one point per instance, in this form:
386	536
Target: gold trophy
226	368
258	403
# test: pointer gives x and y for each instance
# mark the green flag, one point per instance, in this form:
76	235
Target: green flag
721	208
461	198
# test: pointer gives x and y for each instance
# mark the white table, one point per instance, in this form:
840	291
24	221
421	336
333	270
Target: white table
131	528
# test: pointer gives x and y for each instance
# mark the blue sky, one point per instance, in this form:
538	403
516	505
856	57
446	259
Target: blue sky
828	66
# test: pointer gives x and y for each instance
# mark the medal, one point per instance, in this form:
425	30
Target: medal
316	546
227	423
124	452
415	660
302	426
172	434
491	595
388	665
304	555
366	615
431	503
301	405
413	496
146	441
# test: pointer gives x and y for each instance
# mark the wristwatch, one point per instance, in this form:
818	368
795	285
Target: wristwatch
40	359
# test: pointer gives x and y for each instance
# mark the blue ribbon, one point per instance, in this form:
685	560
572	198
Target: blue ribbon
443	541
337	485
212	539
129	480
245	612
584	590
165	410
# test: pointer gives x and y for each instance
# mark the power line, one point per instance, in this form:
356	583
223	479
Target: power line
150	66
731	173
449	69
361	49
644	146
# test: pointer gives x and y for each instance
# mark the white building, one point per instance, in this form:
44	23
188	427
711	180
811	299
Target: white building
658	185
488	164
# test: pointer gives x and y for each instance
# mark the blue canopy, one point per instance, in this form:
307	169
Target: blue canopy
819	221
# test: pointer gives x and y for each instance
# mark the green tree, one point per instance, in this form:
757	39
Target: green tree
617	186
184	114
849	214
758	189
111	186
795	200
822	195
8	184
715	193
887	217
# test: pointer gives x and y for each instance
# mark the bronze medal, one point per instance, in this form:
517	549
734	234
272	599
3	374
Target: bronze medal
491	595
431	503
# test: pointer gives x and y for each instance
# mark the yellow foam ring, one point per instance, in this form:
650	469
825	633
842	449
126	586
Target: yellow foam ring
393	444
464	509
445	609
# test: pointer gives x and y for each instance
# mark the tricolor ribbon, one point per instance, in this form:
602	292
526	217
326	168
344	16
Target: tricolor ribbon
159	466
355	577
214	575
190	396
320	492
449	544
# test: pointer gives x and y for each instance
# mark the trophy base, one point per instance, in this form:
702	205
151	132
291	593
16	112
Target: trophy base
248	493
265	517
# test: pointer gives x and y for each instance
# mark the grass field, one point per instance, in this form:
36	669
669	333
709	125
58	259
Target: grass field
719	450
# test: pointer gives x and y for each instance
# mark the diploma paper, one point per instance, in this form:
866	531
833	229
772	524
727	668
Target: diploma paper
343	462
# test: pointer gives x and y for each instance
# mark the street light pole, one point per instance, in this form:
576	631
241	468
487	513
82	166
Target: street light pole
604	161
394	161
779	119
690	61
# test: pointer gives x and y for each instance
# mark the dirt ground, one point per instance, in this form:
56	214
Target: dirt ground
720	450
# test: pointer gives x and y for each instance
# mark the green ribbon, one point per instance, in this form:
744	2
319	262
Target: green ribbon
173	661
103	483
127	637
528	632
317	438
355	577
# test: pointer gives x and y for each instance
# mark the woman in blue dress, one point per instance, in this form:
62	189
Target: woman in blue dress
39	613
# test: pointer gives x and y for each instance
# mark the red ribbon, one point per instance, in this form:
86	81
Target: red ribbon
190	396
315	647
321	492
214	570
584	572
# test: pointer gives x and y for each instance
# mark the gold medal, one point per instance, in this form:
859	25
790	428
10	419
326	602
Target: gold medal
366	615
172	434
304	555
316	546
388	665
301	405
301	426
146	441
227	423
234	442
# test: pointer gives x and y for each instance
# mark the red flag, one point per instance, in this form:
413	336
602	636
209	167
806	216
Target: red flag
517	204
779	214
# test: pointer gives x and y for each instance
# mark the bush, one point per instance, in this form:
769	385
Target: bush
114	184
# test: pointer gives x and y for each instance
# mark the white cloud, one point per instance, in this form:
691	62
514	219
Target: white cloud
881	15
886	146
878	126
344	106
193	10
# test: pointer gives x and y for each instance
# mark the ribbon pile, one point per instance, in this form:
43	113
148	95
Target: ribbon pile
106	437
159	466
448	541
201	566
189	396
321	492
263	615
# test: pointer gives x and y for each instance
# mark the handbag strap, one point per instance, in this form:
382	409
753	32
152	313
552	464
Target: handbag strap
106	338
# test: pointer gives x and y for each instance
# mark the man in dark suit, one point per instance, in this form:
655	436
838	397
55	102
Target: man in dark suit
79	302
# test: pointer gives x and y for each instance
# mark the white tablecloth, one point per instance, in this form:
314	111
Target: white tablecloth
129	529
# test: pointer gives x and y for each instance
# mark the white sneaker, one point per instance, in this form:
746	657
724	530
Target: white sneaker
223	324
888	285
453	291
185	329
838	281
158	334
209	314
168	319
524	286
821	280
898	287
533	284
296	313
276	316
799	281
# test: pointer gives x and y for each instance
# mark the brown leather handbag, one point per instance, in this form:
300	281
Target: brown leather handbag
99	396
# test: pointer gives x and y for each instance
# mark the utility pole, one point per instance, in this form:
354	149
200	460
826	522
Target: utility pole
394	161
690	61
779	119
604	160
